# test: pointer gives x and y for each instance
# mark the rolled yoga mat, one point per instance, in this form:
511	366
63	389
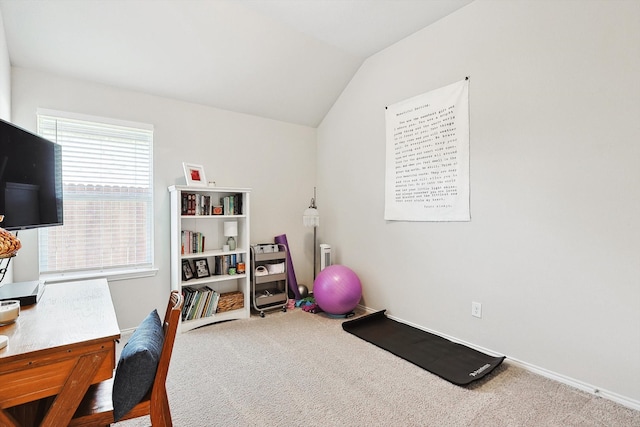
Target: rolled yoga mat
291	274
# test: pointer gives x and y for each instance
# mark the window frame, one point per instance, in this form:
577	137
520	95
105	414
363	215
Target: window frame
111	273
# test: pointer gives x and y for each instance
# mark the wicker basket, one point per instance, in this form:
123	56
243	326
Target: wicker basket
230	301
9	244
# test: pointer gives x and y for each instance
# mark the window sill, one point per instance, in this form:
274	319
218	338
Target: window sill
111	276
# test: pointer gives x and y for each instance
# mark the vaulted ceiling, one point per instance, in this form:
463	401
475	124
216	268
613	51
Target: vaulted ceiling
287	60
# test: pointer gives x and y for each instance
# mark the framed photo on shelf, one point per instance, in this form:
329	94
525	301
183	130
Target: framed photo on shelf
202	267
194	174
187	272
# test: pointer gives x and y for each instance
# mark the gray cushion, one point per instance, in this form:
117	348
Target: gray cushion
137	365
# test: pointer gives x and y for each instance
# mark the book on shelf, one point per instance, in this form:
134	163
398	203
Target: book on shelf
217	270
225	264
213	305
204	204
238	204
194	304
191	207
224	201
184	204
206	300
188	293
204	293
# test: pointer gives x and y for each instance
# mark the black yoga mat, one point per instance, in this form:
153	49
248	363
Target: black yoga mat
453	362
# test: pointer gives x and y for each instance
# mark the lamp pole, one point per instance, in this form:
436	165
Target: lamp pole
312	219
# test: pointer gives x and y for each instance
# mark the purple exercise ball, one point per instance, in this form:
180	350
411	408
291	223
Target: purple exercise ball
337	289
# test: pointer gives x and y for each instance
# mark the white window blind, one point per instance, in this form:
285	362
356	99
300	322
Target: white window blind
107	196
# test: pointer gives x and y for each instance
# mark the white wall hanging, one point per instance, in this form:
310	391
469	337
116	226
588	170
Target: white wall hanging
427	156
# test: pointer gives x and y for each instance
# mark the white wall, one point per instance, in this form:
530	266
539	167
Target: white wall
5	76
275	159
552	249
5	114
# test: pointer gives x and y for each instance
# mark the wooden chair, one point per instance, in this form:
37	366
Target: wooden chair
96	409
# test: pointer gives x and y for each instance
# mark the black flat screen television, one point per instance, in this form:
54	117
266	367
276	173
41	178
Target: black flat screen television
30	179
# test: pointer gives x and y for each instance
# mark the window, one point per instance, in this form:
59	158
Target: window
107	197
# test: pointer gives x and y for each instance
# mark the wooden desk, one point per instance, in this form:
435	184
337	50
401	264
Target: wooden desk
58	347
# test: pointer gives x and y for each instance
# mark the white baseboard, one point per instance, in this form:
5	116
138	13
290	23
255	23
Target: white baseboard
563	379
580	385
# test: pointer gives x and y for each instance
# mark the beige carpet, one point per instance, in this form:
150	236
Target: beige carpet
302	369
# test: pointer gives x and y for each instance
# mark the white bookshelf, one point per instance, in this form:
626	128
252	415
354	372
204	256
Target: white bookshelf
212	228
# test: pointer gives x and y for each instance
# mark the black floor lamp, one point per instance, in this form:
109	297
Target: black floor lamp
311	218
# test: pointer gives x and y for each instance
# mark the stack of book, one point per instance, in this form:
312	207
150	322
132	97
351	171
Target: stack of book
232	205
199	302
192	242
196	204
200	204
223	263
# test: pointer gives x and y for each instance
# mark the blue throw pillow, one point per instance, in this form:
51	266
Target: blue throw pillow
137	365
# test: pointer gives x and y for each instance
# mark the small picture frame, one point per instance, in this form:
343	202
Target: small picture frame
202	267
194	174
187	272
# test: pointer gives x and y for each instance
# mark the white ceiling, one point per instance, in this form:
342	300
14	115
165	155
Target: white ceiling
287	60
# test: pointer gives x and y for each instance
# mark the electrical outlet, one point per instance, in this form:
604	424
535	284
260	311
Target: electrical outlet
476	309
